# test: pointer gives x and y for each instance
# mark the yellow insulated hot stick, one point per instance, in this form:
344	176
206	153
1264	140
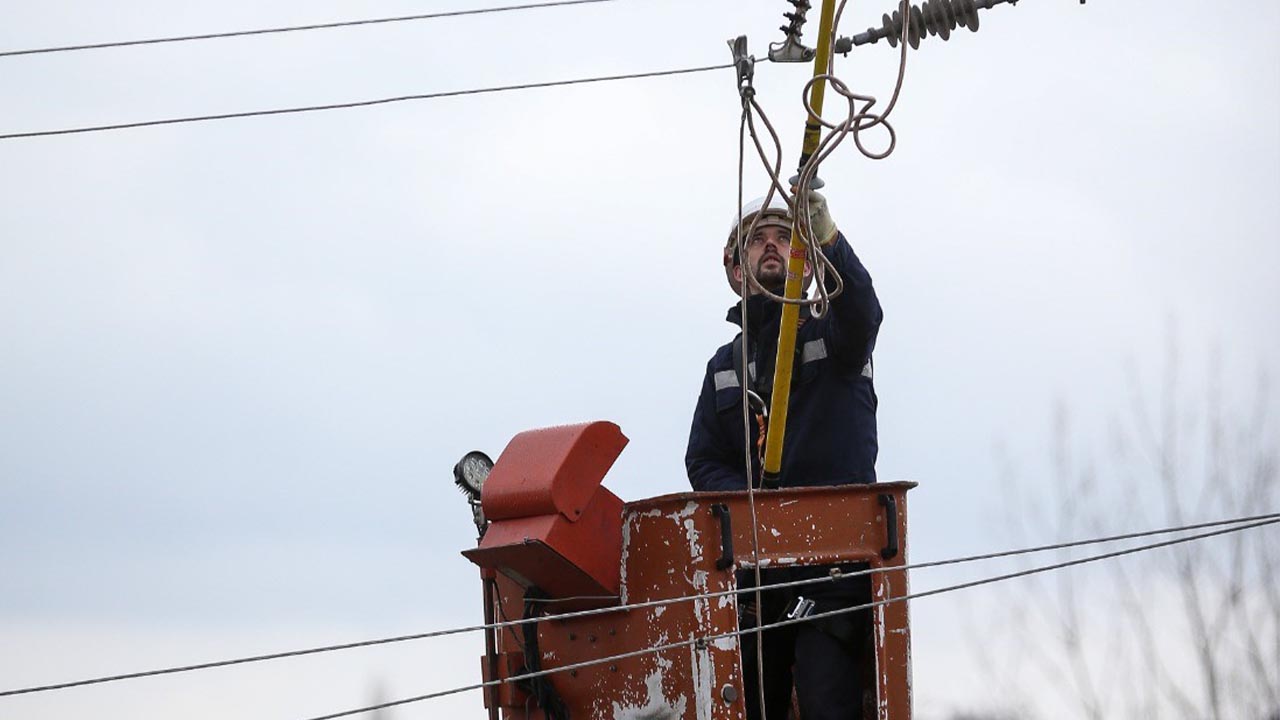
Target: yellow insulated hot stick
795	270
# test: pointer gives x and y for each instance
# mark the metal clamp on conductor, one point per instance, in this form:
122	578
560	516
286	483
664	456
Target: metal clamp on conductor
745	64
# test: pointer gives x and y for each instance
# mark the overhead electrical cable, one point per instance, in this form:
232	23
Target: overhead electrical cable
360	103
295	28
1256	520
807	618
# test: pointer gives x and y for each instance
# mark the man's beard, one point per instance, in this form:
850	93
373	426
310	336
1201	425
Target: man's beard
774	277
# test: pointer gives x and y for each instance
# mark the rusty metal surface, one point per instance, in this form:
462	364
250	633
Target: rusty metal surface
670	548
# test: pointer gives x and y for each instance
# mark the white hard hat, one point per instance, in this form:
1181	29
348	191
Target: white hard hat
777	209
777	213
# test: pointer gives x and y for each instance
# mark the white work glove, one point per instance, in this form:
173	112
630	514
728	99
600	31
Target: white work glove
824	228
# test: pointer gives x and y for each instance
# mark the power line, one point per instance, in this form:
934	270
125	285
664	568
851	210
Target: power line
359	103
294	28
783	623
1261	519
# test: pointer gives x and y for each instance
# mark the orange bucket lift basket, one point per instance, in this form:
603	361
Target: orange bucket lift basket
554	527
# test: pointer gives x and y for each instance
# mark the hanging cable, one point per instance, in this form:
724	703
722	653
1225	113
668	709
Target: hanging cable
808	618
816	259
361	103
1255	519
857	120
293	28
746	71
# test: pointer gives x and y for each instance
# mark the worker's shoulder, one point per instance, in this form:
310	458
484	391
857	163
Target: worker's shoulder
723	357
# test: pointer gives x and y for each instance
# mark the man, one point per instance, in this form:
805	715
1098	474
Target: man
830	440
831	421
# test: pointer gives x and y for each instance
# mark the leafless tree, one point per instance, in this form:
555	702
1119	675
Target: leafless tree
1191	631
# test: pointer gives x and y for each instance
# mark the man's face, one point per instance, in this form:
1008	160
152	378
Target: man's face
767	251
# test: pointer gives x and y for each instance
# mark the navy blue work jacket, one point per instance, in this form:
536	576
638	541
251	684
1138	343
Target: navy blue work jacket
831	422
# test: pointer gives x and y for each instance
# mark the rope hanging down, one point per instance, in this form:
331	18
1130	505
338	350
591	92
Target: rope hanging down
293	28
808	618
1255	520
745	74
802	235
361	103
805	250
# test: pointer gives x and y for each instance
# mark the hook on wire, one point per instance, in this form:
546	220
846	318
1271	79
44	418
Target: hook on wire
744	63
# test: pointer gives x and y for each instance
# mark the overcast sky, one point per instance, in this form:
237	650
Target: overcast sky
238	359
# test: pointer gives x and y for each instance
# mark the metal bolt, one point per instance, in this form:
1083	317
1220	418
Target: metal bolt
573	636
573	673
613	668
729	693
591	638
612	632
701	644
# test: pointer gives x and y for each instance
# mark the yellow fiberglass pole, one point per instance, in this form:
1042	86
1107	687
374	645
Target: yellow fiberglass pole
795	270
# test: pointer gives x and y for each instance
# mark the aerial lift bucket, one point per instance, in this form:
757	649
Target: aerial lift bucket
558	543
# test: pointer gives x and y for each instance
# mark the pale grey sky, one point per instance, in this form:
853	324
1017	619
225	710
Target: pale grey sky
238	359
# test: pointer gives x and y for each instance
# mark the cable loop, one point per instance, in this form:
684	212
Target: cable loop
817	261
857	120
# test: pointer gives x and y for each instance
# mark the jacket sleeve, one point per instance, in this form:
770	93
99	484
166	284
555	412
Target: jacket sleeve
710	458
855	313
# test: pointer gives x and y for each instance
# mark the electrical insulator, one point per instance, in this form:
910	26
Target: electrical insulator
933	17
790	49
